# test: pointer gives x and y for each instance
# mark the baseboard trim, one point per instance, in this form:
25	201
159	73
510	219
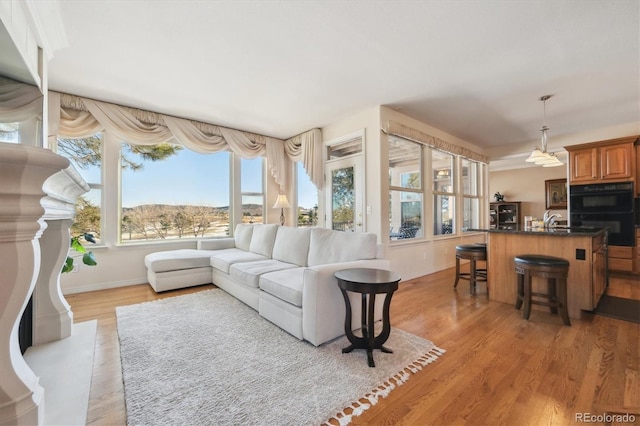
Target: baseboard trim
103	286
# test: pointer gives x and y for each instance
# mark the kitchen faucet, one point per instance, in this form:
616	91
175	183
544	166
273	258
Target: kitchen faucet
550	219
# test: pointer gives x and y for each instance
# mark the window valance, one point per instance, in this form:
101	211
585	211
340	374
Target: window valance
76	117
395	128
19	101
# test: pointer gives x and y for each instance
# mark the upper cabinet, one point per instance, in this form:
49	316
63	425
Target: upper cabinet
601	162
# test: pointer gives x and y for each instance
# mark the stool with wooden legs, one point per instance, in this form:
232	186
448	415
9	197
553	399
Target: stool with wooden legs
555	270
473	253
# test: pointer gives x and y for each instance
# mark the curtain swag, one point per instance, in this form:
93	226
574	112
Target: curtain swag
76	117
397	129
307	147
19	101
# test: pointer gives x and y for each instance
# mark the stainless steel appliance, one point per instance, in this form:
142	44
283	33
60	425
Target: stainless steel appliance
607	205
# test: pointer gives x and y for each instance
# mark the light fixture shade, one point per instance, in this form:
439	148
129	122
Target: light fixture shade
555	163
536	154
282	202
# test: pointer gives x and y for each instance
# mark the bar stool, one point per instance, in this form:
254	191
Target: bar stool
472	253
555	270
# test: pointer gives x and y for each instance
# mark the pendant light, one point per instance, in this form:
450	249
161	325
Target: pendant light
539	156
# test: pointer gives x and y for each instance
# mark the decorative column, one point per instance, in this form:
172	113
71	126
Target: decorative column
53	319
23	171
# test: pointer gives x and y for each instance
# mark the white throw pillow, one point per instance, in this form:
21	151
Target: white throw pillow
327	246
242	235
292	245
263	238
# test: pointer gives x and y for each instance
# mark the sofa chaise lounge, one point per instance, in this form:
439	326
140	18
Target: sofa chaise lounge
285	273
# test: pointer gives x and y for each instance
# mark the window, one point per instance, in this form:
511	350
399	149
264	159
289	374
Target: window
405	189
9	132
471	193
443	192
168	192
85	155
252	190
307	196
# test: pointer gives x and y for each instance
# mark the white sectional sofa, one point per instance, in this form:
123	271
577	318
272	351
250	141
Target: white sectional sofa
285	273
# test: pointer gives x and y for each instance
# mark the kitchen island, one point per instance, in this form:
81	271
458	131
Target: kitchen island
584	248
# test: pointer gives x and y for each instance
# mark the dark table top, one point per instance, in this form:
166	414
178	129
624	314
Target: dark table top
367	276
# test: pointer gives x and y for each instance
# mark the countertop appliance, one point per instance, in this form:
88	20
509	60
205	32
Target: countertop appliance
609	205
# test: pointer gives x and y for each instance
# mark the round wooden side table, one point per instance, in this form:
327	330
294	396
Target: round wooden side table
368	282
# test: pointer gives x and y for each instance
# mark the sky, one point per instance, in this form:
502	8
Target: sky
192	178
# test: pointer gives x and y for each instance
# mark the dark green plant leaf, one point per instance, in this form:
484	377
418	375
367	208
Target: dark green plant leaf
68	265
89	259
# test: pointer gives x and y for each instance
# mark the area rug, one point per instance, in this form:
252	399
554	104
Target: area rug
619	308
208	359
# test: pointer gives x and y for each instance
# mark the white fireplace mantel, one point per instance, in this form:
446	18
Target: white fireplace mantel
31	179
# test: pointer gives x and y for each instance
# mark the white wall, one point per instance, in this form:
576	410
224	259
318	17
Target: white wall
528	186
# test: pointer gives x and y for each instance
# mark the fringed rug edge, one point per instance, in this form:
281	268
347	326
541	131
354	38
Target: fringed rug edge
383	390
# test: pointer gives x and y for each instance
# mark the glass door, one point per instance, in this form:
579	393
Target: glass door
344	194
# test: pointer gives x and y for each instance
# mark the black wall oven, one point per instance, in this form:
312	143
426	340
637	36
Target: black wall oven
607	205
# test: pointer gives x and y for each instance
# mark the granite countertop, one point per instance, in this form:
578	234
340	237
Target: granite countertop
557	231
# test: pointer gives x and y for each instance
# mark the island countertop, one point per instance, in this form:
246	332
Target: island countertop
585	248
559	231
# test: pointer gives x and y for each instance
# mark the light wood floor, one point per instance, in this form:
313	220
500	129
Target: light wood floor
498	369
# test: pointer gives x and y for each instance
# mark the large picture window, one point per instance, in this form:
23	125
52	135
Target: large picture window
307	196
169	192
471	193
252	189
85	154
405	189
442	167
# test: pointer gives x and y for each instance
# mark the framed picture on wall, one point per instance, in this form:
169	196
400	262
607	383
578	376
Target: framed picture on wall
556	194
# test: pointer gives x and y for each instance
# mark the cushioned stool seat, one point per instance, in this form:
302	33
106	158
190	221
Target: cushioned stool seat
555	270
473	253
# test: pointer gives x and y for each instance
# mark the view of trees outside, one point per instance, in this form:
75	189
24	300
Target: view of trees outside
307	199
175	193
170	192
343	199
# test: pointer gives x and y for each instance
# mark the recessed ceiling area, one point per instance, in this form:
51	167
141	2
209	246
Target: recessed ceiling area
474	69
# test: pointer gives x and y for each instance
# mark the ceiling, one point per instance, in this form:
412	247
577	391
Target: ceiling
474	69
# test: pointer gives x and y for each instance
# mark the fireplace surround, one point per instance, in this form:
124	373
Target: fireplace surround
38	190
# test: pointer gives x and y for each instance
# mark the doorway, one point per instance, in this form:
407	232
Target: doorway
344	183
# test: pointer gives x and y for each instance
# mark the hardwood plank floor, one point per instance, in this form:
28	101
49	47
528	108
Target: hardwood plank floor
498	368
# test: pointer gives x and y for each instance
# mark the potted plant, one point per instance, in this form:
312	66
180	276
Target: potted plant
87	256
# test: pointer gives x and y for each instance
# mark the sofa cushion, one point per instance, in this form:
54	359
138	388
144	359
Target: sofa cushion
225	258
263	238
242	235
292	245
285	285
327	246
249	273
172	260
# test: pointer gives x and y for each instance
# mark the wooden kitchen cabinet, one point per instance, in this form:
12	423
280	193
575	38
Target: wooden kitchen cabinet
598	271
504	214
636	262
585	251
601	162
637	185
621	258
